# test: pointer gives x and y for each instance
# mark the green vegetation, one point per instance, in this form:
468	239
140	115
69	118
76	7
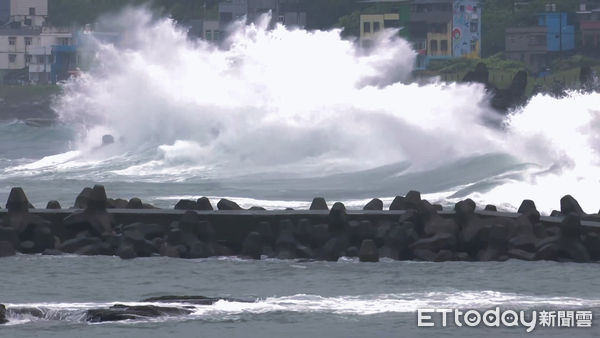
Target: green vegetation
501	71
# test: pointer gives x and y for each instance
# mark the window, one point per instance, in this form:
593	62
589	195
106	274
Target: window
216	35
473	46
391	23
41	59
27	22
50	58
376	26
474	25
12	40
226	16
27	41
433	45
208	35
31	10
12	58
367	27
444	45
462	8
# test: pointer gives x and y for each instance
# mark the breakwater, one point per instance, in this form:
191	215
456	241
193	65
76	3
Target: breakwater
412	229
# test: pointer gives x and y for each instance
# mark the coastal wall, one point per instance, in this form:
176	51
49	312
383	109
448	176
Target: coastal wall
412	229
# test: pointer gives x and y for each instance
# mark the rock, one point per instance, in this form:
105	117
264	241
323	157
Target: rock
3	319
43	238
464	210
9	235
319	235
352	251
72	245
82	198
368	251
568	205
53	205
398	203
424	255
555	213
52	252
442	241
265	229
471	235
462	256
126	252
490	207
521	254
374	204
94	219
136	240
592	243
7	249
570	227
96	249
204	204
334	248
252	246
171	251
17	201
225	204
107	139
437	224
338	219
444	256
97	200
135	203
548	252
399	238
27	247
196	300
489	254
118	203
255	208
360	231
528	208
119	312
318	203
147	231
285	242
412	200
525	242
198	249
185	205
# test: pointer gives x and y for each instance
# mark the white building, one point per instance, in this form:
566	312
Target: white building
43	56
16	46
23	13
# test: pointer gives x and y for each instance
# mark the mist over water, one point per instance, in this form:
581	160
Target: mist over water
296	105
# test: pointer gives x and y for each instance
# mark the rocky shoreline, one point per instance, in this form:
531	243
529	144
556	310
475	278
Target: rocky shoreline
412	229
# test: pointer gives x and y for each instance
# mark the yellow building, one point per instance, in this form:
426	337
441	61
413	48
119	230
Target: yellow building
371	24
439	40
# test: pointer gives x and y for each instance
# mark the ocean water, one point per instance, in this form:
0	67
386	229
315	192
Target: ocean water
274	118
289	298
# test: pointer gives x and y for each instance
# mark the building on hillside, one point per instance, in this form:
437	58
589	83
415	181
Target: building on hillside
536	46
588	17
23	13
287	12
371	24
438	29
466	29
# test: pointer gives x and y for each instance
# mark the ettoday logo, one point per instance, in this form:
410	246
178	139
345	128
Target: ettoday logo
505	318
